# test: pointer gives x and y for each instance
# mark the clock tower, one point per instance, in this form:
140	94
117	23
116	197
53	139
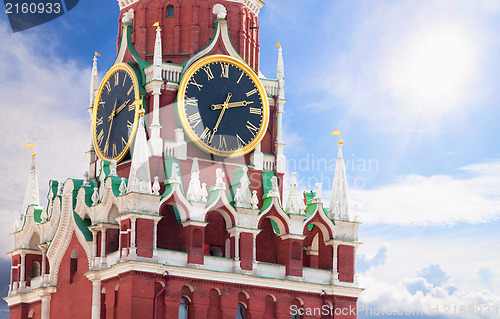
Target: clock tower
182	212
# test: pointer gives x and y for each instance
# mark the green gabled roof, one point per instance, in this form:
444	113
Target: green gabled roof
82	225
89	191
37	214
266	182
115	185
310	209
168	173
309	197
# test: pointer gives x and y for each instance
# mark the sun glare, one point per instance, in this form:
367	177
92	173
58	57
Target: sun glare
433	70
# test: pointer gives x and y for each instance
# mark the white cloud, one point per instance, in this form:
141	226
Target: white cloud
43	97
438	199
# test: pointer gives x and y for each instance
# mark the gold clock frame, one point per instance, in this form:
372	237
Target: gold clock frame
117	67
182	114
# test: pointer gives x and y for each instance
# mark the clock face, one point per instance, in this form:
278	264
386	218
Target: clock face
115	117
223	106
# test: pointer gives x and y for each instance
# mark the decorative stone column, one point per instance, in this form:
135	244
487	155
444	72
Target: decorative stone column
335	270
45	307
133	248
103	247
237	266
22	277
96	299
155	238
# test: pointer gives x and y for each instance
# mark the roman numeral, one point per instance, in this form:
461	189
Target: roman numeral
252	128
100	137
208	71
251	92
106	147
194	118
239	79
98	121
131	107
191	101
130	90
222	142
255	110
225	71
108	86
205	134
240	140
193	82
124	143
124	80
117	78
129	125
115	152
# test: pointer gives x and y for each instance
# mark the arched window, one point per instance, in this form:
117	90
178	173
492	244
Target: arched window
242	311
35	271
73	266
183	308
216	251
170	11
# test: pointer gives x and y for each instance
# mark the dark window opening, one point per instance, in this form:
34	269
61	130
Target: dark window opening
170	11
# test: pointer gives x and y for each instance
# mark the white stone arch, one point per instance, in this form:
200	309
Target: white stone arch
221	205
177	200
318	218
280	217
62	238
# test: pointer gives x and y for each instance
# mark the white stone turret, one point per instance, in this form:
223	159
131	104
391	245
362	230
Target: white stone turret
280	101
156	142
139	179
31	196
339	205
94	86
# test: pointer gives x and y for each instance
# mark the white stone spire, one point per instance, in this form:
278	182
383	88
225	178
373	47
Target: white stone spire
339	206
94	85
31	196
157	55
156	142
139	179
281	73
280	102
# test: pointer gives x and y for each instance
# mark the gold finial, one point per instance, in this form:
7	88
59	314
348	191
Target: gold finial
341	142
157	25
33	154
278	45
141	111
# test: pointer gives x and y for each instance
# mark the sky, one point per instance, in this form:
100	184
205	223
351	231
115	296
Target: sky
413	85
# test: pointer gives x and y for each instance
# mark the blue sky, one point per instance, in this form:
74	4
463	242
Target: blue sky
414	85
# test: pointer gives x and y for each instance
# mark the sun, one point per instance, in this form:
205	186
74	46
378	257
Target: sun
433	69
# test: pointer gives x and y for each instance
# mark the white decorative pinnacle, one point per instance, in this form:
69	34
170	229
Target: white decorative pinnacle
123	187
93	82
44	216
156	186
245	193
220	11
281	74
175	178
157	56
31	196
219	182
194	192
255	200
274	192
86	179
95	197
140	176
339	205
128	16
112	168
293	205
318	198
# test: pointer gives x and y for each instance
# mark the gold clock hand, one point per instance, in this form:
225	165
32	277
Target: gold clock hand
110	125
224	108
122	107
232	104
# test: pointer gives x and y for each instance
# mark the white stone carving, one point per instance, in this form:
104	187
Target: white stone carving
123	187
175	178
219	182
295	205
140	176
95	197
318	197
194	192
274	192
237	198
86	179
156	186
204	193
255	200
220	11
112	168
128	16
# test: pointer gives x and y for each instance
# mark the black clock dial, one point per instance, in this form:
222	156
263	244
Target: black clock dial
115	114
224	106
